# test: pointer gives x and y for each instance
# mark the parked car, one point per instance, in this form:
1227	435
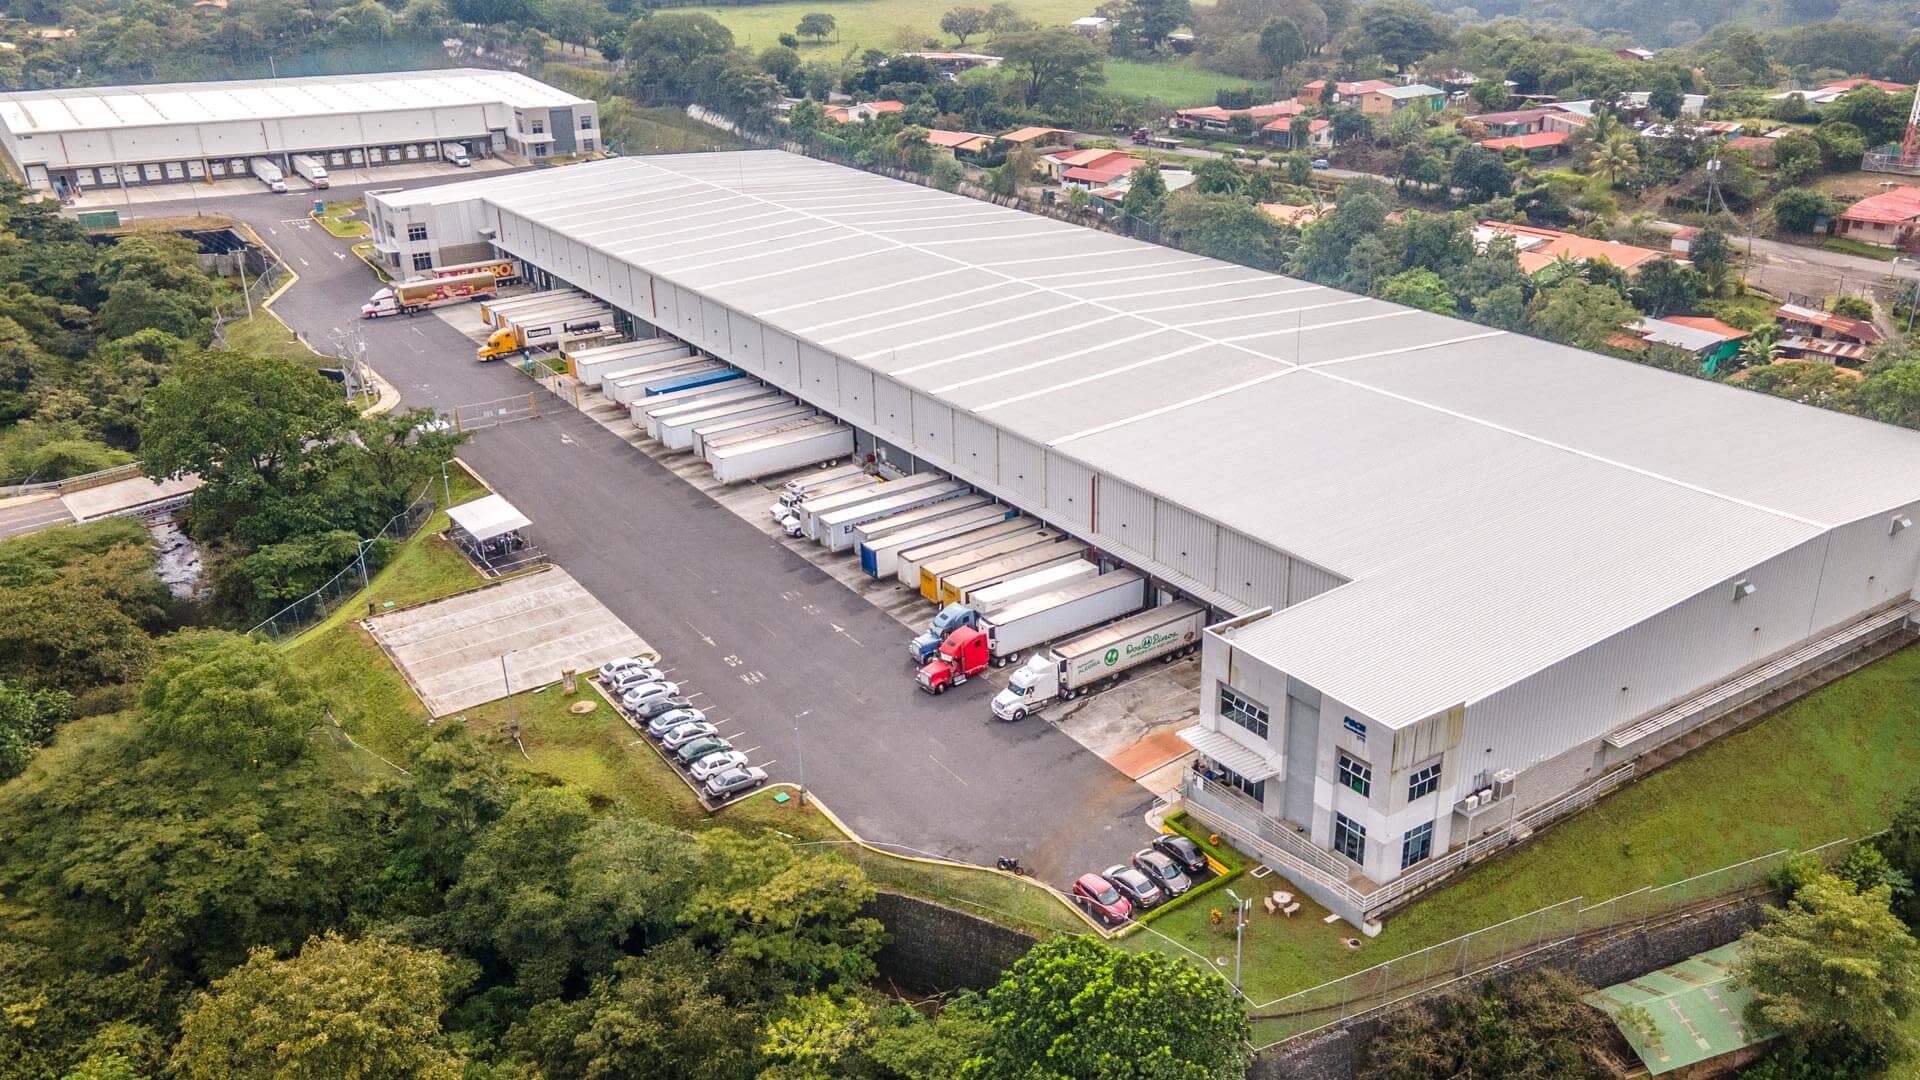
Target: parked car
699	748
1135	886
636	696
1322	163
714	764
686	733
657	706
611	669
735	781
1183	851
1101	900
632	677
1165	872
661	723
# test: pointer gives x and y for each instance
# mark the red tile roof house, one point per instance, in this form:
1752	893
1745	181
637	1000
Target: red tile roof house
960	142
1215	118
1280	133
1887	219
1342	92
1544	143
1056	166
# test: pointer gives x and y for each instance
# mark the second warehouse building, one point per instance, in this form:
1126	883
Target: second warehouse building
1467	580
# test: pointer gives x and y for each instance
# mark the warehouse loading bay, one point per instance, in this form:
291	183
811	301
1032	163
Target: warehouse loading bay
764	626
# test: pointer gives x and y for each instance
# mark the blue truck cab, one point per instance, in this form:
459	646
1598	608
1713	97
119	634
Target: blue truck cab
951	618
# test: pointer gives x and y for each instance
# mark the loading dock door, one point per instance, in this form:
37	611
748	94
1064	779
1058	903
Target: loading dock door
336	159
153	173
176	171
196	169
217	168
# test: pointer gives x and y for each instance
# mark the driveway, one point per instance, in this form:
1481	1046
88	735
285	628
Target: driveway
814	671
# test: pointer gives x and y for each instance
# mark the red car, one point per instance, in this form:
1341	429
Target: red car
1101	899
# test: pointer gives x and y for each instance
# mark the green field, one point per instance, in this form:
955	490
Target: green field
1178	83
1832	765
871	24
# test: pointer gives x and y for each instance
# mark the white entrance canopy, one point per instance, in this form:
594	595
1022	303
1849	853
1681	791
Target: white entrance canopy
486	518
1222	748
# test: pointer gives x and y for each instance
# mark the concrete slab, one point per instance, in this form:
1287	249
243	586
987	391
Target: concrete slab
31	514
122	496
451	650
108	198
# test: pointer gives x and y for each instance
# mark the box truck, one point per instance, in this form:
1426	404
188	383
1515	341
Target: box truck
810	510
1004	634
265	171
310	170
907	564
880	557
454	153
959	587
934	571
1078	665
778	453
409	297
530	336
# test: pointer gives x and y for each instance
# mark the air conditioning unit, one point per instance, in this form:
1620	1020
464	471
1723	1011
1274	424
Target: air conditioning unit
1472	803
1503	783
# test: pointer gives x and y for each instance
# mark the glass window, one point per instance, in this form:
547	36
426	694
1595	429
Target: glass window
1243	710
1357	775
539	127
586	123
1254	789
1357	728
1417	846
586	145
390	233
416	232
1424	781
539	149
1350	838
423	261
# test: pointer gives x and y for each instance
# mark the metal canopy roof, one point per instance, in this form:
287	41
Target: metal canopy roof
38	112
1500	501
487	517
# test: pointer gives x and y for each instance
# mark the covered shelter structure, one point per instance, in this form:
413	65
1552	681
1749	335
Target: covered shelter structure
491	531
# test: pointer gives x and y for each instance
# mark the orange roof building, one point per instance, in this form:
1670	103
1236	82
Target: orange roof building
1887	219
965	142
1540	248
1026	135
1538	140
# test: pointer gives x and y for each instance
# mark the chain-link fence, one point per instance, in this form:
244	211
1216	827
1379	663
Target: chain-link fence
1515	941
295	618
486	414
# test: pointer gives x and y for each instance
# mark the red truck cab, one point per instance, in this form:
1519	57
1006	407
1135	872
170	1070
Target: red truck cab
962	656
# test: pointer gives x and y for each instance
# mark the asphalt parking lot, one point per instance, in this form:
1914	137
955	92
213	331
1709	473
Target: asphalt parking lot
776	642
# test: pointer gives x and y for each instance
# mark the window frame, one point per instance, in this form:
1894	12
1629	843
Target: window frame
1427	777
419	227
1423	833
422	260
1348	833
1354	774
1243	711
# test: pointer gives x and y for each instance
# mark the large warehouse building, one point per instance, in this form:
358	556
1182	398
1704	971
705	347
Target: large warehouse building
110	136
1467	579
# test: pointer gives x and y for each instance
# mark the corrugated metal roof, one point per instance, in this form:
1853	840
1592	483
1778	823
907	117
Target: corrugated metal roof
38	112
1500	501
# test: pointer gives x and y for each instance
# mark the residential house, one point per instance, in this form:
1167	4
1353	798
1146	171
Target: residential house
1538	248
1711	340
1634	53
1297	216
1085	166
1636	105
1811	334
953	63
960	143
1280	133
1681	242
1887	219
1107	198
1512	122
1539	145
1215	118
862	112
1829	92
1343	93
1091	25
1037	137
1392	99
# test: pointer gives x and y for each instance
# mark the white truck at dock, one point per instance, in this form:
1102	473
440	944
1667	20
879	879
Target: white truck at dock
455	154
1076	666
268	173
310	169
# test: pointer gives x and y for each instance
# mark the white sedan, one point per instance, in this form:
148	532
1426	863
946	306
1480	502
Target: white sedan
686	733
716	763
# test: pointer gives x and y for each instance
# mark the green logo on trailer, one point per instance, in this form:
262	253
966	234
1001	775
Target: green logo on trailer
1113	657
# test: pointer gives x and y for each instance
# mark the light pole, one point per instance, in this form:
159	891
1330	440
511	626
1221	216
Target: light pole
799	755
513	721
1240	909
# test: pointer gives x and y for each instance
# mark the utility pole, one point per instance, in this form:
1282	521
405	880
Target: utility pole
1240	910
799	755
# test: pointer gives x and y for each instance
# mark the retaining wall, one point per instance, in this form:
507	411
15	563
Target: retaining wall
932	948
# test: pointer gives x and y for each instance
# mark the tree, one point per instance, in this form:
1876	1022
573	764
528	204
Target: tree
1535	1028
1219	176
1796	209
1664	287
1711	255
1891	392
1832	967
1480	174
1901	845
230	698
665	54
963	23
1004	18
1490	93
1225	227
1419	288
69	635
1282	44
27	720
1615	160
1051	66
1666	97
1074	1007
816	25
1578	313
1146	195
1852	307
1401	31
366	1009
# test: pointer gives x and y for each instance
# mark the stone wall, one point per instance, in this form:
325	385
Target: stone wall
1336	1053
932	948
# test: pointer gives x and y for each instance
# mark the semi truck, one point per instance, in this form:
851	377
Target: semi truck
310	169
933	571
959	587
907	563
778	453
880	558
454	153
409	297
265	171
950	618
1079	665
1003	635
966	613
810	511
527	337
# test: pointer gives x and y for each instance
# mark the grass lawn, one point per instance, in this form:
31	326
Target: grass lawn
1749	312
1856	247
264	335
1834	764
1177	83
339	220
878	24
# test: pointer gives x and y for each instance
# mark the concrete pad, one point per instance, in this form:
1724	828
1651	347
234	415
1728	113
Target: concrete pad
124	495
450	650
1149	753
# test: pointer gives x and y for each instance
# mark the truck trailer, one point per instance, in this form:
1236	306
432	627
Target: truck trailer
1077	666
268	173
811	510
720	429
689	382
504	270
310	169
959	587
817	484
760	432
649	411
935	570
530	336
837	526
778	453
635	364
674	427
806	482
1020	586
631	388
1004	634
409	297
907	563
880	557
493	311
881	527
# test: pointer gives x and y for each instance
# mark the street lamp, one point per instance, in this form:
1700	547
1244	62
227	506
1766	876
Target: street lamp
799	754
1240	910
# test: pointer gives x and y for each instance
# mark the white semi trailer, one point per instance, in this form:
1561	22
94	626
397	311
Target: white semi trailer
779	453
268	173
1076	666
311	170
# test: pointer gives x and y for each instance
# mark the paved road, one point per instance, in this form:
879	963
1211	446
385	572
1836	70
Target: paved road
25	517
809	668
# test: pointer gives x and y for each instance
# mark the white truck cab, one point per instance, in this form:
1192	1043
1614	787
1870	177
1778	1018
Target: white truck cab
1033	684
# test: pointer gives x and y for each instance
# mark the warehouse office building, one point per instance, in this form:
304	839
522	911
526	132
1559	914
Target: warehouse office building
1466	580
112	136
